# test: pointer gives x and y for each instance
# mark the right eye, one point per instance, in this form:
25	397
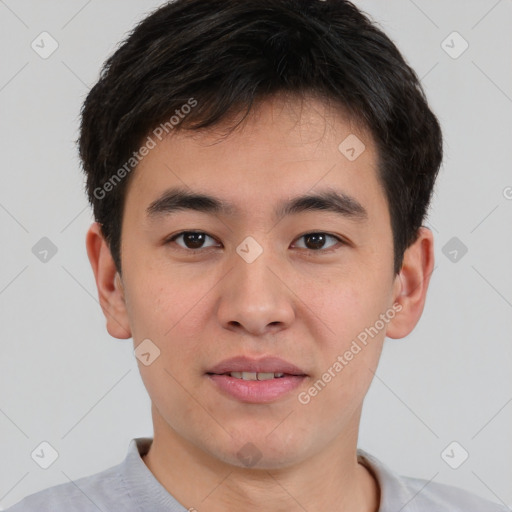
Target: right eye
193	240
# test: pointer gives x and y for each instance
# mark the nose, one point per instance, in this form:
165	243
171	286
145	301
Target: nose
255	298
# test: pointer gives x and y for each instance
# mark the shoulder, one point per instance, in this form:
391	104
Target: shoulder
100	491
410	494
433	496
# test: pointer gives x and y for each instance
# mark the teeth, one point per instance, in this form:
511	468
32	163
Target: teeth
256	376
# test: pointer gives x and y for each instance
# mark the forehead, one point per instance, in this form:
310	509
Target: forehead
280	150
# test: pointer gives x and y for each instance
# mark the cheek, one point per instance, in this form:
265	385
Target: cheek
348	307
353	344
159	306
172	317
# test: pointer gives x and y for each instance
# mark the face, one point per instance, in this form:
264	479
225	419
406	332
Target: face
308	293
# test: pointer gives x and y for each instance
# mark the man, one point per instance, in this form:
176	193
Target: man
259	172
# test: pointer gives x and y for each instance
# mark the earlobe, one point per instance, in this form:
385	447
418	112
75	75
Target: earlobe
109	284
411	284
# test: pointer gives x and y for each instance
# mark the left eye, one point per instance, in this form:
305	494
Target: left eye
318	239
194	240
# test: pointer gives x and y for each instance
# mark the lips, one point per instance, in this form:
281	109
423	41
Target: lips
256	369
256	381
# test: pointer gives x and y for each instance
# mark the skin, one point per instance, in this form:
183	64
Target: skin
293	302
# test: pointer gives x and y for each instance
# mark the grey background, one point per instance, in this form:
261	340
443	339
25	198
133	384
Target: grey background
64	380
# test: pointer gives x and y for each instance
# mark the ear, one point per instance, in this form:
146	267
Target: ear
108	283
411	284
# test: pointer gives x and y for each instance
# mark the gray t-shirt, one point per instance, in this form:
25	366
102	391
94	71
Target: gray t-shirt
131	487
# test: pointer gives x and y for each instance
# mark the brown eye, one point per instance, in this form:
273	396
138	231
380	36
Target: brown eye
316	241
194	241
191	239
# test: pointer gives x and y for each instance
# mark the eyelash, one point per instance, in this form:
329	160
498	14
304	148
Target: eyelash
329	250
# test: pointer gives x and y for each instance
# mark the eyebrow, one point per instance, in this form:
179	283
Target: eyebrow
329	200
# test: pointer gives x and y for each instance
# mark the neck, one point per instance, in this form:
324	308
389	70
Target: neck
332	480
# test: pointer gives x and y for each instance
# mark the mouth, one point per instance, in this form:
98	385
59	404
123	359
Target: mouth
247	368
256	381
255	375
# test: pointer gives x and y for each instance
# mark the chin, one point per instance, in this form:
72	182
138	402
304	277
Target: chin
261	451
